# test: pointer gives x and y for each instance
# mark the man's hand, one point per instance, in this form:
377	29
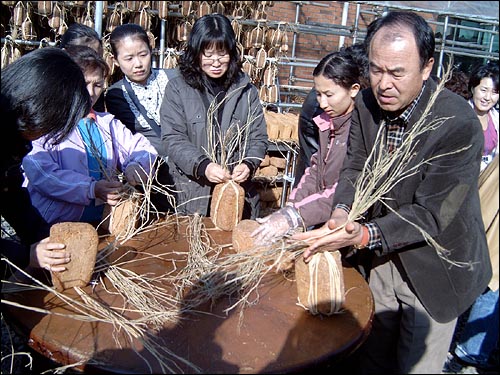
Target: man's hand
336	233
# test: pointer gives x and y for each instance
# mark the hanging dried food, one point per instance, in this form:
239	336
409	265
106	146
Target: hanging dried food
273	94
219	7
284	43
44	8
163	9
257	36
55	18
239	12
270	73
88	20
261	58
183	31
152	39
10	52
204	9
19	14
133	6
170	61
27	30
247	66
145	18
237	28
186	8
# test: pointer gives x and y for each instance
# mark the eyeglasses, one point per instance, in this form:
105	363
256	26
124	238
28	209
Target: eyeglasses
210	60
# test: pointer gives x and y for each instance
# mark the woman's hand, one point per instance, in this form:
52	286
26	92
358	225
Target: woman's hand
108	191
216	174
240	173
49	255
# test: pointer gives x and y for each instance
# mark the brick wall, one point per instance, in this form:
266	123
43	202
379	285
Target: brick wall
312	46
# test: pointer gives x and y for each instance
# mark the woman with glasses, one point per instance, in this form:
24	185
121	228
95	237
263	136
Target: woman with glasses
211	103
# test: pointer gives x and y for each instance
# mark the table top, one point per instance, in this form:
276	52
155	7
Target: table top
272	335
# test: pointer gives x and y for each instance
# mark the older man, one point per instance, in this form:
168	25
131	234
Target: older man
419	291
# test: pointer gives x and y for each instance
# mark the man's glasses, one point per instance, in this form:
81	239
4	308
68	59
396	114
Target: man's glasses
210	60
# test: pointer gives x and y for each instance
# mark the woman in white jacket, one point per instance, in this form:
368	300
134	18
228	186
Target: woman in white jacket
73	180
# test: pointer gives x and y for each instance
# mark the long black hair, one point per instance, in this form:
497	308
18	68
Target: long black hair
210	30
44	93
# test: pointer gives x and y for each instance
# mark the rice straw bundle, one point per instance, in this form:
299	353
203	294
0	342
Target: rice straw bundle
81	242
228	149
241	238
226	209
320	283
123	218
89	309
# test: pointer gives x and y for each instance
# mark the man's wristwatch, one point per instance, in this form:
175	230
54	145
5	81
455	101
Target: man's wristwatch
365	239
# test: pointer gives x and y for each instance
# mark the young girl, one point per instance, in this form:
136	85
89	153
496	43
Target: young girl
337	81
211	76
73	180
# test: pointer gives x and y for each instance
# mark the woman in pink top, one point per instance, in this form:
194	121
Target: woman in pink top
483	84
337	81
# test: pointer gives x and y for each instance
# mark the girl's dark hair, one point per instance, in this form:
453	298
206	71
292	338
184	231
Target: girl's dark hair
422	32
489	70
209	30
124	31
44	93
340	67
88	59
79	34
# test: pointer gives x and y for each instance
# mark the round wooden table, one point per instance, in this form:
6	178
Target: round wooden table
273	335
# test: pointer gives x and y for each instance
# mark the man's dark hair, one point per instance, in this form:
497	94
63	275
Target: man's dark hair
424	36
